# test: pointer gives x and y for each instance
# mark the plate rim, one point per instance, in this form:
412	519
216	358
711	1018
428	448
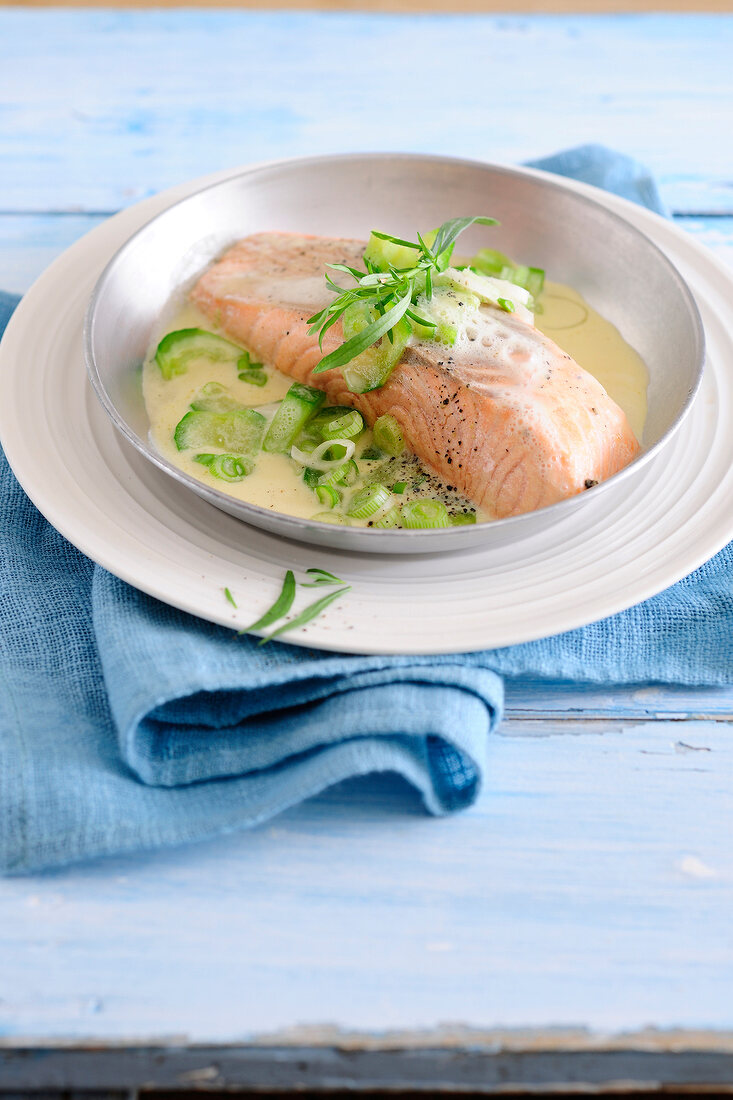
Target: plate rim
402	539
69	526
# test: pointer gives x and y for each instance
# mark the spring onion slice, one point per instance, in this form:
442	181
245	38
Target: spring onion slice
390	518
331	517
316	459
230	597
423	514
399	486
462	519
327	495
506	304
346	474
388	435
307	615
228	467
347	425
368	501
280	607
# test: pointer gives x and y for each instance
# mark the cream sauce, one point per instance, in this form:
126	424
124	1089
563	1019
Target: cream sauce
276	482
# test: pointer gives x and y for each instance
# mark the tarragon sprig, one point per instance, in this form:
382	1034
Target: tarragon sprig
320	578
391	293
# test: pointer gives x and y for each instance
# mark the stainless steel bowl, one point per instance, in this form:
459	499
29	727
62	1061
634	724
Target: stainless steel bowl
618	270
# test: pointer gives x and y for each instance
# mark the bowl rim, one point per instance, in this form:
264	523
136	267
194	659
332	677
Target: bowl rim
297	524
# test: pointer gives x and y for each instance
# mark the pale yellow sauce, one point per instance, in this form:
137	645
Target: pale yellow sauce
276	482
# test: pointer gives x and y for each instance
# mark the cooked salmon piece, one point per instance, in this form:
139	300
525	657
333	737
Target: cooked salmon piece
508	418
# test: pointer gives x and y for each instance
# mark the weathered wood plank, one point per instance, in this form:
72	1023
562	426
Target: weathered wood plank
592	884
104	107
544	700
478	1068
30	242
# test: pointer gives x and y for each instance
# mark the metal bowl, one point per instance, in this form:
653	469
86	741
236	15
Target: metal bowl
619	271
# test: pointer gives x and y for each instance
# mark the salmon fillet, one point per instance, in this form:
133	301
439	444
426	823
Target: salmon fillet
508	419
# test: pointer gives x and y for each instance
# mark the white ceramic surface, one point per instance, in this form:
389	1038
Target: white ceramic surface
637	539
582	243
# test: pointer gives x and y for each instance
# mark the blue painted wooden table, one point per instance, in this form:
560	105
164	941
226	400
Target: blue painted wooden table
573	928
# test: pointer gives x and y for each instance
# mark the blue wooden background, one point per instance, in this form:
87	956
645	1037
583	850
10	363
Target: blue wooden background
593	885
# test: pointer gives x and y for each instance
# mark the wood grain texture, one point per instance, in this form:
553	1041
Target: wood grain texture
592	884
590	890
101	108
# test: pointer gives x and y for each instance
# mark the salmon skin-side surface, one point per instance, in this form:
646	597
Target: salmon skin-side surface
507	418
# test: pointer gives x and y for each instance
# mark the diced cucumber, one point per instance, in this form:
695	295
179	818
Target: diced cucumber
450	307
372	368
254	373
215	398
296	409
489	262
385	254
255	377
177	349
485	288
239	432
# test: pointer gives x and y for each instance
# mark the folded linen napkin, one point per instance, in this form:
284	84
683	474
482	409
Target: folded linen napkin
125	724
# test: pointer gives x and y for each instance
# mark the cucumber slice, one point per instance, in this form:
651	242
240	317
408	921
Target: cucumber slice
385	254
489	262
239	432
296	409
177	349
346	424
372	368
215	398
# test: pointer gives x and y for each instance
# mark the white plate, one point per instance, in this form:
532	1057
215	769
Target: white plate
139	524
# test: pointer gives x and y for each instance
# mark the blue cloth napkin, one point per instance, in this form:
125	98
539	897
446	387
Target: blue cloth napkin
125	724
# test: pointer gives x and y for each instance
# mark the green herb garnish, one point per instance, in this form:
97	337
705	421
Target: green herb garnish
505	304
321	578
280	607
230	597
309	613
390	293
